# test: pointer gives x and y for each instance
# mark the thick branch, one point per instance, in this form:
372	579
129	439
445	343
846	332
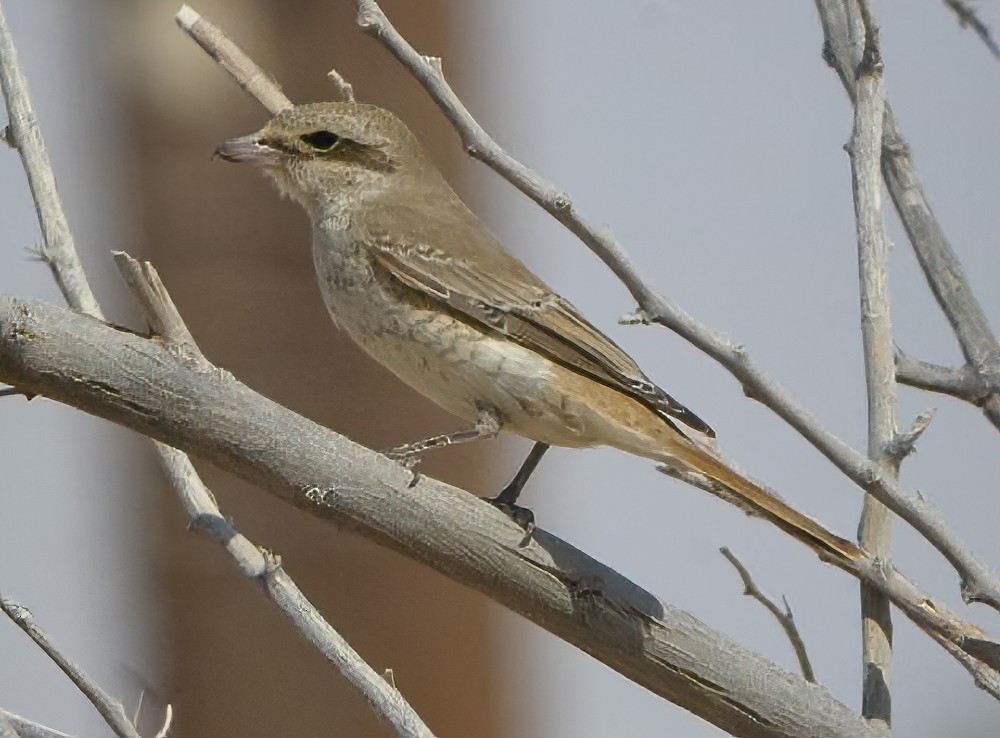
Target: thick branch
256	563
145	385
875	528
24	728
978	583
110	709
940	264
140	383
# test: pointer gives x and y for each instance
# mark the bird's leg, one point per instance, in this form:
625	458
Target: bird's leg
408	454
507	499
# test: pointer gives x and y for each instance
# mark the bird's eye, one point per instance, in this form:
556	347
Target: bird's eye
321	140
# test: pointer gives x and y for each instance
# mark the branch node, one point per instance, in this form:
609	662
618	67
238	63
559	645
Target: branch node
272	562
560	202
636	317
8	137
904	444
37	253
344	88
370	23
434	62
390	677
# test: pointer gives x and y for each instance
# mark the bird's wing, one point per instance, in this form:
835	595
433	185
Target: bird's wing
486	283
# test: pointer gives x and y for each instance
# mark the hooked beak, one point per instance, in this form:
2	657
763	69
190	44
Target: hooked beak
248	149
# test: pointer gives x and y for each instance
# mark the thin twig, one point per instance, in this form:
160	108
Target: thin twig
256	563
784	617
107	706
978	583
875	527
24	134
967	17
244	70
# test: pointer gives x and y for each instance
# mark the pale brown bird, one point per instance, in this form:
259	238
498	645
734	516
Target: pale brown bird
412	275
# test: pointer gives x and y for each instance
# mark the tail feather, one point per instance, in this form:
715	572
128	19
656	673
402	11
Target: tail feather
758	501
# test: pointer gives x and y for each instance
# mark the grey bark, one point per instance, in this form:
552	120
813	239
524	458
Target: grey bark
144	385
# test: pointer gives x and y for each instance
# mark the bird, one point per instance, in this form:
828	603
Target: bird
416	279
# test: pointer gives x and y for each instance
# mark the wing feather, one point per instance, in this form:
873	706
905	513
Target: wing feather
486	283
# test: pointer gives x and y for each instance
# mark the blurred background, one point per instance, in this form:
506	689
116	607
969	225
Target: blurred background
708	136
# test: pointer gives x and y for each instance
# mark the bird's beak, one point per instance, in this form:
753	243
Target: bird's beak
248	149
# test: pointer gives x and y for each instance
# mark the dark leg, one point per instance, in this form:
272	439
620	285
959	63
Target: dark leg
507	498
410	453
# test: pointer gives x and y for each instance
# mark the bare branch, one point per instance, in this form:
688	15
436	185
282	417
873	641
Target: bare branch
784	617
961	382
942	269
978	583
875	527
984	677
107	706
244	70
967	17
25	728
154	391
24	134
254	561
6	727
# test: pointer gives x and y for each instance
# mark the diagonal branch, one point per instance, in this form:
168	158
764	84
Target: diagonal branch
152	390
254	80
254	561
24	728
59	251
967	17
109	708
784	617
978	583
23	133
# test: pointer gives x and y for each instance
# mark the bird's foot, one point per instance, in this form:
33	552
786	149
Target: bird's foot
404	455
524	517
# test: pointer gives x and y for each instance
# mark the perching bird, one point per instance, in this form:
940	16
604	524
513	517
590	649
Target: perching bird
417	280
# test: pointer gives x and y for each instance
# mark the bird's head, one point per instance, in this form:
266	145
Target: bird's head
323	154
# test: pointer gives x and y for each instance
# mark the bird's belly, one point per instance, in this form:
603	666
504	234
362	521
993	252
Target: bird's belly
466	369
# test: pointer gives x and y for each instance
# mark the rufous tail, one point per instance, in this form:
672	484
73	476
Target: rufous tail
758	501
